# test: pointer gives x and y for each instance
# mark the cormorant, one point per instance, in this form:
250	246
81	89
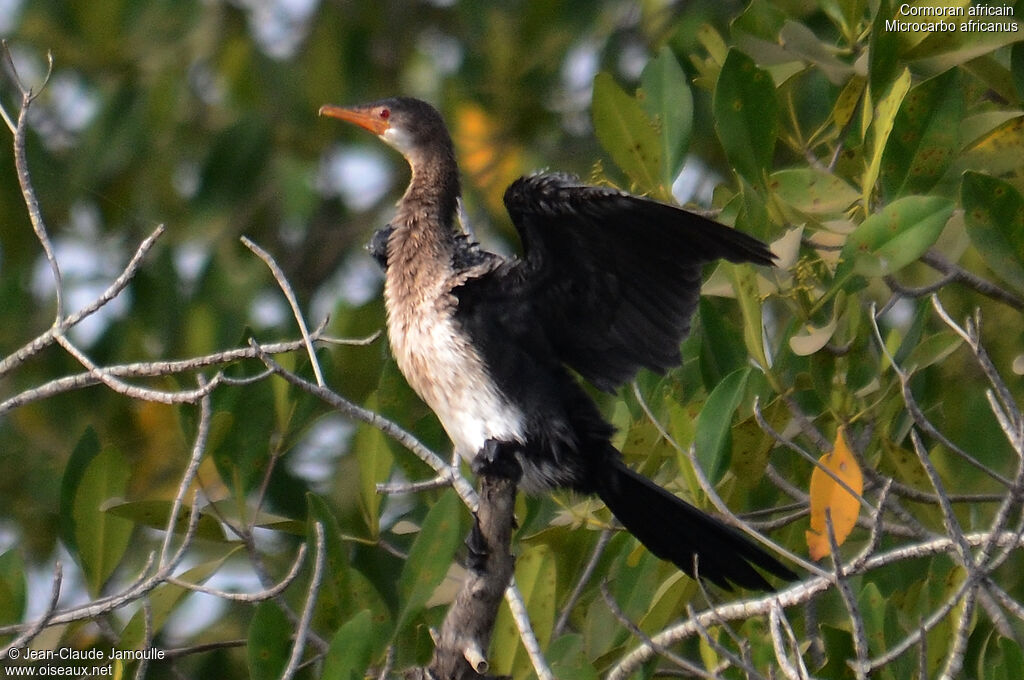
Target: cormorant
606	284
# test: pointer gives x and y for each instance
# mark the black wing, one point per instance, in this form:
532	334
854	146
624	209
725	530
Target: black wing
611	278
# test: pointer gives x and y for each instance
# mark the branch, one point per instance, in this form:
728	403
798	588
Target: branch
292	301
307	611
459	653
801	593
28	193
62	324
939	263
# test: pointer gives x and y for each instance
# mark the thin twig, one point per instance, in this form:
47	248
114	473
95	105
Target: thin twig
147	637
918	415
260	596
28	193
939	263
709	490
32	631
286	288
581	582
307	612
634	629
517	605
791	671
198	448
112	291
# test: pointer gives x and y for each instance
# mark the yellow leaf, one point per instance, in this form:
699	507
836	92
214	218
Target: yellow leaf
487	157
827	494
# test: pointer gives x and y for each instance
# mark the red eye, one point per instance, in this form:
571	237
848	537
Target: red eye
385	114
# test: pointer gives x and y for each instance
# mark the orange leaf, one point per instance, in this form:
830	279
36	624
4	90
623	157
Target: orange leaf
487	157
827	494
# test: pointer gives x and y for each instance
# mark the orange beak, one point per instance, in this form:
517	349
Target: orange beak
364	118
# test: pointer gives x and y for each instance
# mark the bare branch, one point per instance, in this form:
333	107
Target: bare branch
802	592
62	324
32	631
151	369
939	263
292	301
132	391
198	448
634	629
414	487
517	606
710	491
388	427
918	415
307	612
466	631
585	575
789	669
28	193
259	596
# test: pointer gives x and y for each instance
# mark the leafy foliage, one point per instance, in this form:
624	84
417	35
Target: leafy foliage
883	166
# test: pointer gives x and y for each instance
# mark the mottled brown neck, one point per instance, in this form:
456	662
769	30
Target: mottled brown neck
420	249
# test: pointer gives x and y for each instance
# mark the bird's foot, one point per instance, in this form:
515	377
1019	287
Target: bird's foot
378	245
498	459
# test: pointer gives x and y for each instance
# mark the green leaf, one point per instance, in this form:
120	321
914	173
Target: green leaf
154	514
883	51
714	424
536	578
893	238
12	587
270	644
932	350
568	658
375	461
1017	68
92	477
751	448
883	119
944	50
164	599
627	134
351	649
994	213
924	136
746	115
666	97
431	555
838	649
999	151
813	191
87	448
345	589
236	513
801	41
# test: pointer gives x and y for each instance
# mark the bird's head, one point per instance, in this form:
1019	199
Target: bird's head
411	126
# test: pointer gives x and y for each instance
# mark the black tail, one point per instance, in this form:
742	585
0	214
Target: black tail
676	531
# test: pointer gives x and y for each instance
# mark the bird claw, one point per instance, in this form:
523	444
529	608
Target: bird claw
498	459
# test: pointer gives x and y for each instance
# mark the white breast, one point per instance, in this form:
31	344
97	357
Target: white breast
450	376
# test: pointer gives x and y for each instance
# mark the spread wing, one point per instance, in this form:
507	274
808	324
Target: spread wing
611	279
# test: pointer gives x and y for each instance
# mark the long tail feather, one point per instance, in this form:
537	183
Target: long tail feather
676	531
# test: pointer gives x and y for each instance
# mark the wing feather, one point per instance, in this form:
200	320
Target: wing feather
611	279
